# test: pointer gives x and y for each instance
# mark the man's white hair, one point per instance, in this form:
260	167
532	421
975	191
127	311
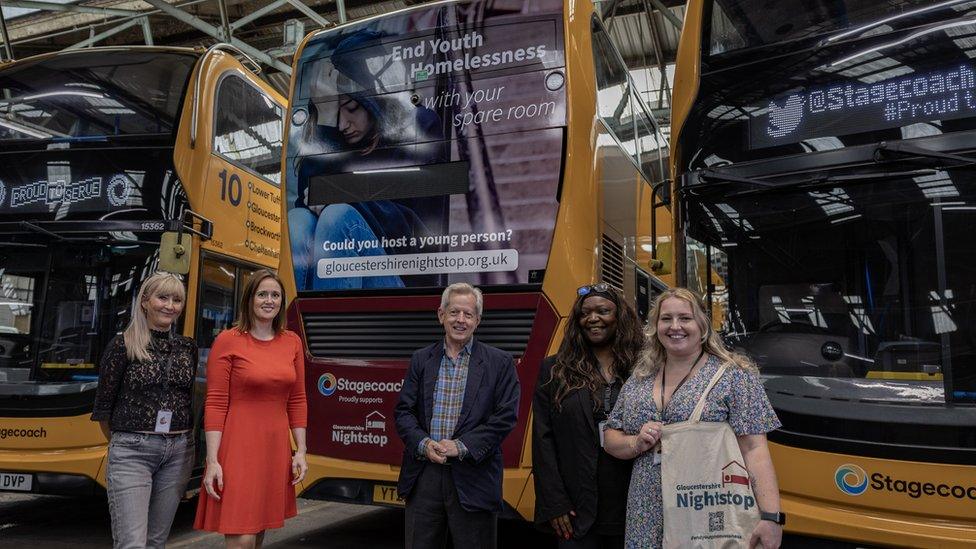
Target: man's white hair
462	288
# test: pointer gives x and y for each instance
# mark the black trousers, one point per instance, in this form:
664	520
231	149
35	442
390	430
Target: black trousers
433	512
593	541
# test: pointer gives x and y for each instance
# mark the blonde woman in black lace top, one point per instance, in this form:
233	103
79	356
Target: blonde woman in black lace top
144	399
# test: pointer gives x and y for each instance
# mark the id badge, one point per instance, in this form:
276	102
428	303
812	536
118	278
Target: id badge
599	429
657	456
163	419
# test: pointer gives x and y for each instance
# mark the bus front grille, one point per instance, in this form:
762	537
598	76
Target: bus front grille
398	334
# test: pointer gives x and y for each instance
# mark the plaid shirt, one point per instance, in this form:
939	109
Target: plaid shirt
448	397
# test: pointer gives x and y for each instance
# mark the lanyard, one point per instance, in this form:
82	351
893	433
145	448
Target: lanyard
664	369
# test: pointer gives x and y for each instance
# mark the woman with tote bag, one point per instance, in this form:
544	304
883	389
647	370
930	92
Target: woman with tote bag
688	382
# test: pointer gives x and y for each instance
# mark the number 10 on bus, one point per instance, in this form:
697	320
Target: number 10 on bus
230	188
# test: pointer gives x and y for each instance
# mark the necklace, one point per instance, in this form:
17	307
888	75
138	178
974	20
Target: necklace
664	385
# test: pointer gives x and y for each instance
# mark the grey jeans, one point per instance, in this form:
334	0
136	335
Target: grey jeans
147	476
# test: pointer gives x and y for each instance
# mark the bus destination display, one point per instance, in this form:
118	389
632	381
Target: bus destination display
854	107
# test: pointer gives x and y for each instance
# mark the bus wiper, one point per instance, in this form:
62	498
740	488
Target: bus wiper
716	180
32	227
886	149
712	179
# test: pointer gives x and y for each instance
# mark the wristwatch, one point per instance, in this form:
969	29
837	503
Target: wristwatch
778	518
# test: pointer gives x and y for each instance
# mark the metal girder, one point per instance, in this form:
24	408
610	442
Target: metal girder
300	6
257	14
146	30
341	8
50	6
105	34
668	14
4	36
224	25
213	31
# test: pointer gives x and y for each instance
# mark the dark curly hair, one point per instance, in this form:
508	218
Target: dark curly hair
576	366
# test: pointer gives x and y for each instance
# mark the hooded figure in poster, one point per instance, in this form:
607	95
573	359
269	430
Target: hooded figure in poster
361	129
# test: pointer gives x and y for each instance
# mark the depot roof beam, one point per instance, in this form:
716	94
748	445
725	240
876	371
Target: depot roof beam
668	14
257	14
300	6
76	8
105	34
5	37
213	31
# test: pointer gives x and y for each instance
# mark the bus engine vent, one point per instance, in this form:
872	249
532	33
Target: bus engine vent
398	334
612	268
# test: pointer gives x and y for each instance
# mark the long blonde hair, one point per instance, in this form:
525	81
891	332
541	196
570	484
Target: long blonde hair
136	335
654	354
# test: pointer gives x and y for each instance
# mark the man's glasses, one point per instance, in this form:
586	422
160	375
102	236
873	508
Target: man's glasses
601	287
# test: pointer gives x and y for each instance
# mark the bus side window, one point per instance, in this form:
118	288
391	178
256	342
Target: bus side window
248	128
218	298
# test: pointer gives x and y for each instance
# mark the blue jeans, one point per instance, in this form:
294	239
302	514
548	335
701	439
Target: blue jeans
147	476
337	223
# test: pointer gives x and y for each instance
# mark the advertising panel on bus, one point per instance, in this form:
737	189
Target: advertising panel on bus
425	149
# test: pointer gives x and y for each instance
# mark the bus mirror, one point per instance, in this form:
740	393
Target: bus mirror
174	251
661	264
662	194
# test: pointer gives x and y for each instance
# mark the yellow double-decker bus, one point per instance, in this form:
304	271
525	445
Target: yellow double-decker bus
823	155
103	152
439	144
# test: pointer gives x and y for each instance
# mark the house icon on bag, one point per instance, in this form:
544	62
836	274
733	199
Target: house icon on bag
375	420
735	473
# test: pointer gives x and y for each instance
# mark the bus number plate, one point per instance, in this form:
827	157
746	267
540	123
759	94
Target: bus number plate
386	494
18	482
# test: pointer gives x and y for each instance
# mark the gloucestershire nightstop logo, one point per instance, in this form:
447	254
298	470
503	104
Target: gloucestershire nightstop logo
851	479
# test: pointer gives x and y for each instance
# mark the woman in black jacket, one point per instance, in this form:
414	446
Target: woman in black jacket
580	490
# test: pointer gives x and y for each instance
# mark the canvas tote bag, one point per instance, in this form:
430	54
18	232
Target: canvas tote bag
707	496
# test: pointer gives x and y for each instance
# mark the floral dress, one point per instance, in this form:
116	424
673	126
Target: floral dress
738	397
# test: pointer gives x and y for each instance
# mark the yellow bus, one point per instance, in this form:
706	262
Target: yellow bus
105	152
439	144
823	156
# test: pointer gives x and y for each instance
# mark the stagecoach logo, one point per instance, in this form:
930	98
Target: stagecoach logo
851	479
118	190
327	384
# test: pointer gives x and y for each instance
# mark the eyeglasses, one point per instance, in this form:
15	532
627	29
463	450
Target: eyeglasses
274	296
600	287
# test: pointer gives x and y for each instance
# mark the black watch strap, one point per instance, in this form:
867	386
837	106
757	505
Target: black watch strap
778	518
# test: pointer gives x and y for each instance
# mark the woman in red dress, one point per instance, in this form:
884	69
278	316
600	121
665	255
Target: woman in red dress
251	471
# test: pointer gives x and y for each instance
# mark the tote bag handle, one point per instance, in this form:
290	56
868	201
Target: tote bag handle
700	407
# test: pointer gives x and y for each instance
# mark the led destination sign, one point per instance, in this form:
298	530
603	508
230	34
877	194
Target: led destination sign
854	107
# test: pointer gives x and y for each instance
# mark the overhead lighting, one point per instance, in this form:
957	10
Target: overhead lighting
879	22
843	219
908	38
63	92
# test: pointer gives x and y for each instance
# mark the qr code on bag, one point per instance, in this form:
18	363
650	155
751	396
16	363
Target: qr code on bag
716	521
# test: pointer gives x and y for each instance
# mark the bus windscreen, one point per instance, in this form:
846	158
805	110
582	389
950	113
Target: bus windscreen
88	96
426	148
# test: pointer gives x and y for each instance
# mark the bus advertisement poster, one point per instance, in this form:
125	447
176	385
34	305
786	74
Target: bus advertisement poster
426	149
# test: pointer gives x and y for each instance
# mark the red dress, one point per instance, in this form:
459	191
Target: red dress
255	393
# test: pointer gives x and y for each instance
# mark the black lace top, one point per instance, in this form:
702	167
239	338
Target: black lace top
130	394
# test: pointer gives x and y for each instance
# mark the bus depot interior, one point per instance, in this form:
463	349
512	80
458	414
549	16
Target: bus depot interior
806	166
